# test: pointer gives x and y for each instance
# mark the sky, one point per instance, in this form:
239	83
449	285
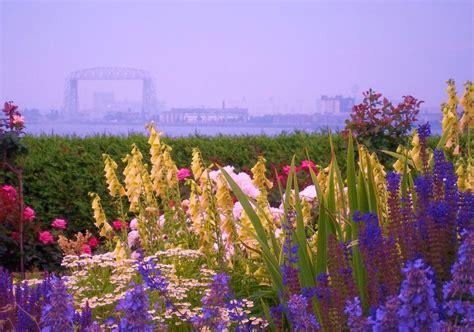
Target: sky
248	53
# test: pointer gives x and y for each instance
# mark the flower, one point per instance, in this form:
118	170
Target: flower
18	120
307	164
133	238
86	249
134	224
308	193
15	236
29	214
183	173
135	305
57	314
93	242
9	191
119	224
59	223
45	237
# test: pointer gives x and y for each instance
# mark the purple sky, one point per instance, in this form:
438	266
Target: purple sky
202	52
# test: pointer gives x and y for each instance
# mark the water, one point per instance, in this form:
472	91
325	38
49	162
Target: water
83	129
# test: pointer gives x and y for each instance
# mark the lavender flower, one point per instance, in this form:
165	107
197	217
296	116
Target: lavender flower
459	292
423	133
356	321
418	309
213	304
299	315
58	312
386	318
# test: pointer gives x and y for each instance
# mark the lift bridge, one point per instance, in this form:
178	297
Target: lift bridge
71	96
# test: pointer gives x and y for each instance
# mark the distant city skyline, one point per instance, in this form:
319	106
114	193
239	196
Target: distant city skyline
246	53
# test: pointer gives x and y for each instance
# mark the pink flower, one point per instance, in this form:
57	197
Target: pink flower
86	249
307	164
93	242
18	120
45	237
119	224
10	192
183	173
15	236
29	214
59	223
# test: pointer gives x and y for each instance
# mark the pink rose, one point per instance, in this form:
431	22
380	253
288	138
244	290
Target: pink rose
93	242
45	237
86	249
183	173
119	224
10	192
59	223
29	214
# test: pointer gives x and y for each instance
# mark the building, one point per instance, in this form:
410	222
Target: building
336	105
205	115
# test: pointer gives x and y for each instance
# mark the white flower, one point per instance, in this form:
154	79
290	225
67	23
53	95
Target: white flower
308	193
133	238
134	224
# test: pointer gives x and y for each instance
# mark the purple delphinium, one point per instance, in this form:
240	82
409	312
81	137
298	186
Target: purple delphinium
418	309
299	316
459	292
152	277
424	132
135	306
213	303
57	313
85	318
355	318
6	296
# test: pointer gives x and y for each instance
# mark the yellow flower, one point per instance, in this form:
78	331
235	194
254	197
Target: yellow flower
99	216
119	253
113	183
467	102
196	165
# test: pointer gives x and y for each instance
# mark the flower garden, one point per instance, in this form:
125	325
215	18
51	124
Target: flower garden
383	242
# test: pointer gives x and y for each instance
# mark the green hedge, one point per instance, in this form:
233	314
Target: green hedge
60	171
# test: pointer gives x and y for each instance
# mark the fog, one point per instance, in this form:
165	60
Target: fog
263	55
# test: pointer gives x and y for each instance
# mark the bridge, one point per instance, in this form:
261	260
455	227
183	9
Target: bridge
71	96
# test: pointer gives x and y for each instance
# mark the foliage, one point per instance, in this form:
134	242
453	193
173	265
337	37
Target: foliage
379	124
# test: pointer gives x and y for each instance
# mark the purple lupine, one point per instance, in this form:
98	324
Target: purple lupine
289	270
6	297
459	292
465	214
386	318
85	320
213	303
418	309
424	132
57	313
135	305
299	316
276	313
355	318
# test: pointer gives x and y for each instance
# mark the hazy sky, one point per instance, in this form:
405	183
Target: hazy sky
245	52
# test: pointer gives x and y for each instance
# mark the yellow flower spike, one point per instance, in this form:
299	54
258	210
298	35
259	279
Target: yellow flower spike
156	159
195	207
196	165
467	102
170	166
113	183
119	253
415	151
461	174
450	117
262	183
306	209
133	181
99	216
225	205
399	165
